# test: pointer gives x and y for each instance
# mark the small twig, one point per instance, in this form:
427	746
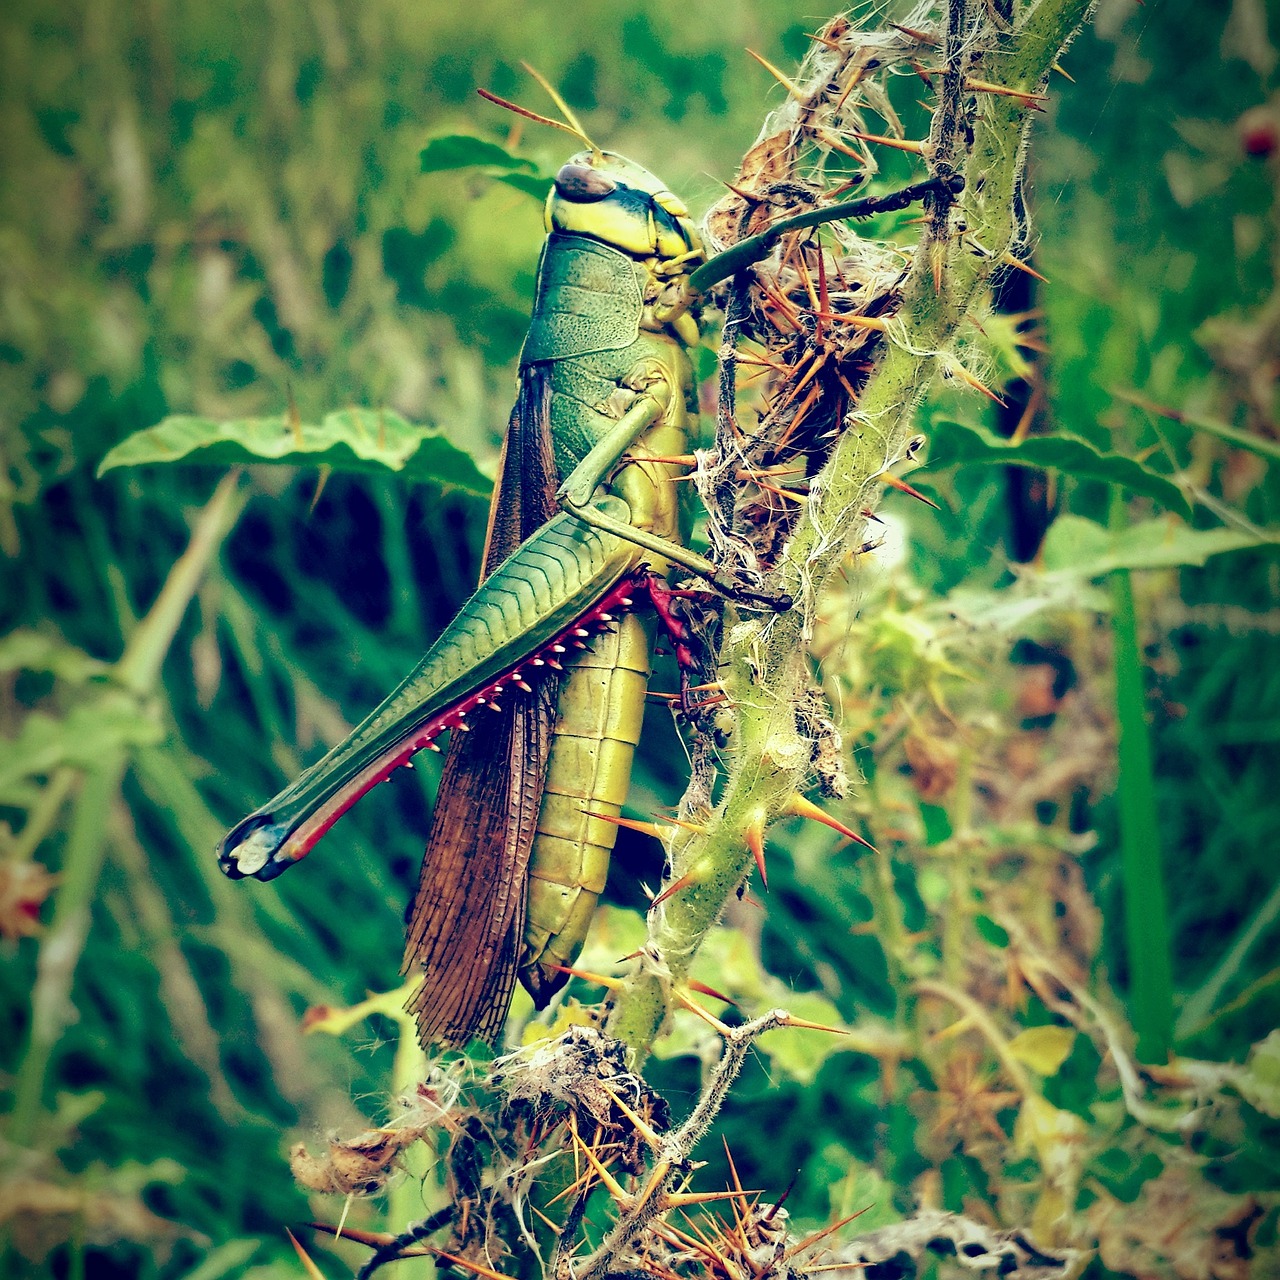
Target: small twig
413	1234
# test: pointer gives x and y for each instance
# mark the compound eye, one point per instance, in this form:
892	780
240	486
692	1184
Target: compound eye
581	185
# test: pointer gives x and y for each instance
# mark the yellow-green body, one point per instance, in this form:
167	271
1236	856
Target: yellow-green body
605	384
590	294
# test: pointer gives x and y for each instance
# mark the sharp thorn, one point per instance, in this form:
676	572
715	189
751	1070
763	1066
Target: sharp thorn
903	487
809	1241
985	86
674	887
899	144
694	1007
787	84
799	807
642	1127
959	371
613	984
653	829
701	987
610	1182
804	1024
924	37
683	1199
1010	261
467	1265
753	834
304	1257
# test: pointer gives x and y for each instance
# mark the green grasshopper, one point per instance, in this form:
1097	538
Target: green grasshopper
584	521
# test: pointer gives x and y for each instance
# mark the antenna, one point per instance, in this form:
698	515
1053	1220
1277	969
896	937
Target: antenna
570	124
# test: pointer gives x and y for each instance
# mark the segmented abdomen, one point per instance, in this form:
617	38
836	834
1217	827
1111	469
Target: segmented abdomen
597	728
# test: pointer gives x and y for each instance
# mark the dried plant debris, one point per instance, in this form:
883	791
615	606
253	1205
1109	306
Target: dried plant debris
954	1245
358	1166
583	1074
813	314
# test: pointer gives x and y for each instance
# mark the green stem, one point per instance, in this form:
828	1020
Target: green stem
764	670
60	948
1146	922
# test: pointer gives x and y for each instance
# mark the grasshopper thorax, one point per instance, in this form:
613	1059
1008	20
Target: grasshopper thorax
620	203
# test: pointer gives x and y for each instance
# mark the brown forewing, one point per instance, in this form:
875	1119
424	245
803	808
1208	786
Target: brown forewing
466	926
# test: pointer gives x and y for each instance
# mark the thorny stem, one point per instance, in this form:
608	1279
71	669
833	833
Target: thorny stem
764	666
672	1157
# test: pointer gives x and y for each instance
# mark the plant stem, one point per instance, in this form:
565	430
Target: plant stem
1146	923
764	669
60	948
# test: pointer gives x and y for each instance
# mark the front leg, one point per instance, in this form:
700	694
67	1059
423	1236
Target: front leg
576	492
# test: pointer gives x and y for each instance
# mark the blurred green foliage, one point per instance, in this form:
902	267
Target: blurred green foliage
221	212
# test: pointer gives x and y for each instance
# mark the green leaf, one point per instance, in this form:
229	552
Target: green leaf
353	440
531	184
1043	1049
961	444
1259	1080
463	151
1083	549
25	650
89	732
990	932
937	824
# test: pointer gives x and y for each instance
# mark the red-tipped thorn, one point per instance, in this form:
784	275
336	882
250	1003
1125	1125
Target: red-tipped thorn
799	807
674	887
754	837
702	989
903	487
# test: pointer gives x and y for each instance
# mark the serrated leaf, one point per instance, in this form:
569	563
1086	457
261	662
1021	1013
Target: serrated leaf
1084	549
464	151
964	444
1043	1049
354	440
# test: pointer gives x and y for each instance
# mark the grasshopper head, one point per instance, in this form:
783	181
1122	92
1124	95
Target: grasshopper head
614	200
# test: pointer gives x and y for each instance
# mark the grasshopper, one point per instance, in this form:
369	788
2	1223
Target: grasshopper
548	659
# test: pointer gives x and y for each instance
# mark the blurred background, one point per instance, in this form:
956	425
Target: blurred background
221	210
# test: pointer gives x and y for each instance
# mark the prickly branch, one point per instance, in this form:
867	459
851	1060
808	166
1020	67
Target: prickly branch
858	401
